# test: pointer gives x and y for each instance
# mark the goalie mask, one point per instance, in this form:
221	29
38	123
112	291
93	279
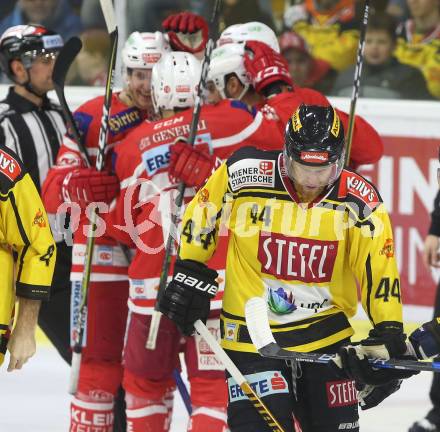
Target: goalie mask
144	50
226	60
314	150
174	81
251	31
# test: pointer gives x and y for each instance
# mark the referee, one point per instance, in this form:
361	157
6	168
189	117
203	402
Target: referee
32	126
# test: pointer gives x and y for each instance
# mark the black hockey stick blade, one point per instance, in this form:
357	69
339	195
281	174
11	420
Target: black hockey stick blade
62	65
259	329
65	59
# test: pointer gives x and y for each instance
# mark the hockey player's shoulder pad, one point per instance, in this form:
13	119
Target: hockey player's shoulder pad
11	168
250	167
360	196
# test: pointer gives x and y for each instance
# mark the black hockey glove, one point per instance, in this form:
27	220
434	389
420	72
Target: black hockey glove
386	341
187	297
370	396
426	340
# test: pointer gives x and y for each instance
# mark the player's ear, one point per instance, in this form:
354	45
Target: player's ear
18	70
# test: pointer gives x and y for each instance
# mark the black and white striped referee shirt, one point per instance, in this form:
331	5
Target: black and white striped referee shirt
34	133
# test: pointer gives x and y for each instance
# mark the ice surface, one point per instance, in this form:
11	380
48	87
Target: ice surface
35	399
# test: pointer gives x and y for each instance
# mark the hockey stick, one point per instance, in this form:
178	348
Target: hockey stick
239	378
356	83
62	64
78	335
155	319
259	329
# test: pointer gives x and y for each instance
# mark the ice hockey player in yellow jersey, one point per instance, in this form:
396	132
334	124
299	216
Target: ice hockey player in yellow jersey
27	258
303	233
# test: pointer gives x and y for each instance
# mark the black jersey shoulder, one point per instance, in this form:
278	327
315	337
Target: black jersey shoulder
11	169
356	193
251	152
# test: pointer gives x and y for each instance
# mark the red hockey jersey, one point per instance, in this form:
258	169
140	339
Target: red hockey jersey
367	146
141	214
109	262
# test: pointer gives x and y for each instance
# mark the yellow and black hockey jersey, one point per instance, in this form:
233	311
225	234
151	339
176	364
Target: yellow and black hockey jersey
421	51
27	248
306	260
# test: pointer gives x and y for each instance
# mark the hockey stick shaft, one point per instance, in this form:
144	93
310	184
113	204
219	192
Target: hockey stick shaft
182	390
155	322
108	12
62	64
239	378
356	83
261	334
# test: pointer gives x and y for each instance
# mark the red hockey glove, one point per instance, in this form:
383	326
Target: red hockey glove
265	66
86	185
187	32
189	165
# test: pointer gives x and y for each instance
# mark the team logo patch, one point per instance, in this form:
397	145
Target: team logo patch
104	255
357	186
124	120
252	173
203	196
263	383
296	122
295	258
388	248
137	289
341	393
280	302
231	329
156	158
9	166
39	219
151	58
266	167
183	89
314	157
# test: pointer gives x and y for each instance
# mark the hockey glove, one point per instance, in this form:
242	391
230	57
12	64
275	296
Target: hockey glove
426	340
370	396
265	66
86	185
187	32
190	165
384	342
187	297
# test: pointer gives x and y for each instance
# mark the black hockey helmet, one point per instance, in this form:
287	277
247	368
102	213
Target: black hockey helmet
314	137
25	42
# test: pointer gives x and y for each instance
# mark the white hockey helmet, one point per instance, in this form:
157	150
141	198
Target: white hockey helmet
251	31
227	59
174	81
143	50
